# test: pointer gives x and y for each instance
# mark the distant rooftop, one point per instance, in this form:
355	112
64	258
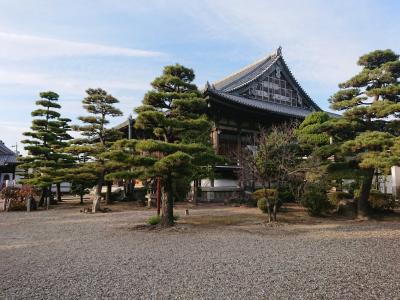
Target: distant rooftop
7	156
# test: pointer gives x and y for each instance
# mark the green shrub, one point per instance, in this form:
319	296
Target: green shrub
378	201
315	200
335	197
285	194
262	204
241	199
351	187
154	220
272	195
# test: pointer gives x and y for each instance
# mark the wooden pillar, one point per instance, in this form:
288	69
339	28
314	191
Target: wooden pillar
130	127
239	143
158	195
239	153
215	139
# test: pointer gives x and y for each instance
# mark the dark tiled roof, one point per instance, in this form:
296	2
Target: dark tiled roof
246	74
121	125
333	115
252	72
7	156
263	105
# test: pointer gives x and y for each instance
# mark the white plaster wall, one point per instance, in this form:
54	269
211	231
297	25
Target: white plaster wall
396	181
220	183
2	175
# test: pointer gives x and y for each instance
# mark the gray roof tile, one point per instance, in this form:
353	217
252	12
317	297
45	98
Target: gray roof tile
264	105
247	73
7	156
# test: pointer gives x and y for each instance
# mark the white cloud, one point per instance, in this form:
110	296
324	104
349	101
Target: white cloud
321	40
11	133
66	84
21	46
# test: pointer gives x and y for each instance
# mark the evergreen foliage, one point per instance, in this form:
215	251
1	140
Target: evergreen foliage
65	160
47	136
310	135
366	137
315	199
177	148
91	150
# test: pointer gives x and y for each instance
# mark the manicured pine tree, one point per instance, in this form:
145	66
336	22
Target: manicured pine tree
310	132
82	174
97	138
369	128
42	156
64	160
173	115
126	163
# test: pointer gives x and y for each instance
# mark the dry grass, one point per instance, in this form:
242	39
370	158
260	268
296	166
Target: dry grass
212	215
224	220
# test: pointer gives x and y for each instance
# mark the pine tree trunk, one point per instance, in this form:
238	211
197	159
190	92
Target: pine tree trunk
362	204
267	203
126	189
97	196
47	197
108	192
132	190
58	191
167	218
269	211
194	199
81	196
158	195
275	209
42	197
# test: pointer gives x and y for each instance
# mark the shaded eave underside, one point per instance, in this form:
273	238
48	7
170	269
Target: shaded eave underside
258	105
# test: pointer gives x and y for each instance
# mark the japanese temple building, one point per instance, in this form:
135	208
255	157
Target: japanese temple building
257	96
262	94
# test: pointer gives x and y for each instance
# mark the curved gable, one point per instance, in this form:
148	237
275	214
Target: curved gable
268	79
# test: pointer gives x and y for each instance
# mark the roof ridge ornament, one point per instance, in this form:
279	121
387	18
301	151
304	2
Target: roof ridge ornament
279	51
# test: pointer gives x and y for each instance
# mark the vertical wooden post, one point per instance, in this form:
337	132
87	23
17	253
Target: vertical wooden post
130	127
158	194
28	203
239	144
239	153
215	139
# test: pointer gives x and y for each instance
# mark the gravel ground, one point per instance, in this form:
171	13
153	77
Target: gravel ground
62	254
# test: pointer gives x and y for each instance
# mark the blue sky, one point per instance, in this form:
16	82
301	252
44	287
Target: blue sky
69	46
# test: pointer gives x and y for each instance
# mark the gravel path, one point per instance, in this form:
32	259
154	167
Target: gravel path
61	254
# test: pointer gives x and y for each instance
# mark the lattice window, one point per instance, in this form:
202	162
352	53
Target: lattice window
276	90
